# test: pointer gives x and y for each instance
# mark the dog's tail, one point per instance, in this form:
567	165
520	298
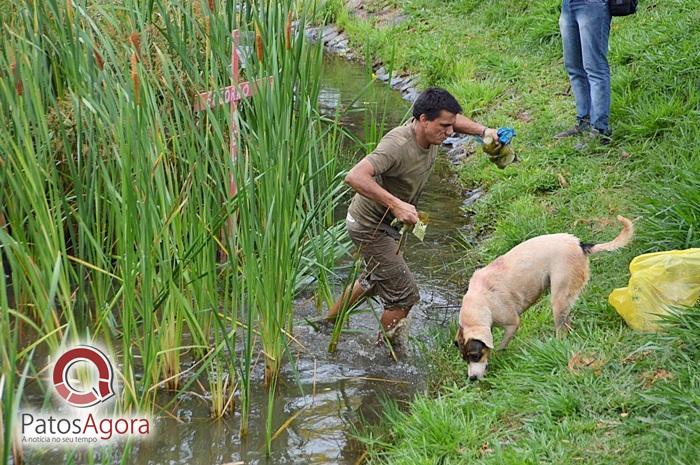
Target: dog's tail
620	241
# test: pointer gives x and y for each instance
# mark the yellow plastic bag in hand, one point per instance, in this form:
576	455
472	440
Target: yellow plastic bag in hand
659	283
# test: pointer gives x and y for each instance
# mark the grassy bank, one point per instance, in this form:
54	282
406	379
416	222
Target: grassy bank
605	394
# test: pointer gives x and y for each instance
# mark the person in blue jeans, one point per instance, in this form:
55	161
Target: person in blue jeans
585	28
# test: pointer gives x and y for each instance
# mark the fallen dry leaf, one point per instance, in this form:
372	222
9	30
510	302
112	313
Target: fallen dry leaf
485	449
524	116
580	361
650	377
635	357
562	181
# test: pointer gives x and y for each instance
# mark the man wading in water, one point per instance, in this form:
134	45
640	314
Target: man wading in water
388	183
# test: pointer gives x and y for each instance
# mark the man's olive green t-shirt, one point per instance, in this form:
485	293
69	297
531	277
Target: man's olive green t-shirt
402	167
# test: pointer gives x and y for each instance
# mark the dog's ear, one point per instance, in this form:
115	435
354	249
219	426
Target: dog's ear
459	339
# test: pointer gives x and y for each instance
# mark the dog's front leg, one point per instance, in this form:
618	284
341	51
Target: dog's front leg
509	332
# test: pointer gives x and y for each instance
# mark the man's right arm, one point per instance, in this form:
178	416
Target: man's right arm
361	179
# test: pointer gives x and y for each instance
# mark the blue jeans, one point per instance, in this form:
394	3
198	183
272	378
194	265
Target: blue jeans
585	28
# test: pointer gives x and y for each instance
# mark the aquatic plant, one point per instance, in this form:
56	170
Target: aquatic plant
115	196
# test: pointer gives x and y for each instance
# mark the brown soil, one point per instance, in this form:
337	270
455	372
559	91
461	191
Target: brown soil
384	12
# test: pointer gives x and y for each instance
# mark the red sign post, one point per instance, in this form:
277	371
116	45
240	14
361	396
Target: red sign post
232	95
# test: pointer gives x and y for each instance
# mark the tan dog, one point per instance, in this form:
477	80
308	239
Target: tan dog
508	286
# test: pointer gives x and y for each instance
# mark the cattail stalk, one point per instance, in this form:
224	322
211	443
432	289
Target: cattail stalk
211	5
99	61
135	77
69	9
135	40
288	32
19	87
259	44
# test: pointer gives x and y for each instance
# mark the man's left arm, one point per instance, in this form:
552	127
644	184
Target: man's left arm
471	127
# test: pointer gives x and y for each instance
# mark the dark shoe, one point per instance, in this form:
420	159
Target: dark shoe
594	136
603	136
582	125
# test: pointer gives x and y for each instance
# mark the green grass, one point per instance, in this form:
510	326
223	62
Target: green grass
503	61
637	402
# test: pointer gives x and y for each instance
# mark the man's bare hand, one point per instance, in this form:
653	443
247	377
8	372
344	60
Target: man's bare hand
491	132
404	212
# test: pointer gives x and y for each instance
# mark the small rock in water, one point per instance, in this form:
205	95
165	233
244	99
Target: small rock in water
456	139
185	415
382	74
396	81
312	33
474	195
328	33
408	83
411	96
336	40
456	155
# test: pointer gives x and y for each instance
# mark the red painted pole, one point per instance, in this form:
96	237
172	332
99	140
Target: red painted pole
235	73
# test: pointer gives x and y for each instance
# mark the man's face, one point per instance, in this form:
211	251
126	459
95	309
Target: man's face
439	129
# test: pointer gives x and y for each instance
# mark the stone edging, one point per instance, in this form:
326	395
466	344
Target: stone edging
336	42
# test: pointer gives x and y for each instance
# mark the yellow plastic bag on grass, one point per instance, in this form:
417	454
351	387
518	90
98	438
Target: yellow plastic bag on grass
659	283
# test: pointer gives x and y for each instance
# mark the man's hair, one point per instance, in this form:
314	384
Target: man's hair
432	101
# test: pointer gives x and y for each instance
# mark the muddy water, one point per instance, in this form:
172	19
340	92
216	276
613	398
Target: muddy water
328	395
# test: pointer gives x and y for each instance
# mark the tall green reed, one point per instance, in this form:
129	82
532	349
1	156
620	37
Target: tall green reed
287	188
114	192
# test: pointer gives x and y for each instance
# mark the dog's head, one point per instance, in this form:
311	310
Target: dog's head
475	350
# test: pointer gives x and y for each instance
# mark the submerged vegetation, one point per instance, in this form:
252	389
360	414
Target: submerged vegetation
117	221
605	394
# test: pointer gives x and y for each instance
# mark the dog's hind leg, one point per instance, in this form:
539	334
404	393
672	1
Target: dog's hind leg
566	288
562	317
